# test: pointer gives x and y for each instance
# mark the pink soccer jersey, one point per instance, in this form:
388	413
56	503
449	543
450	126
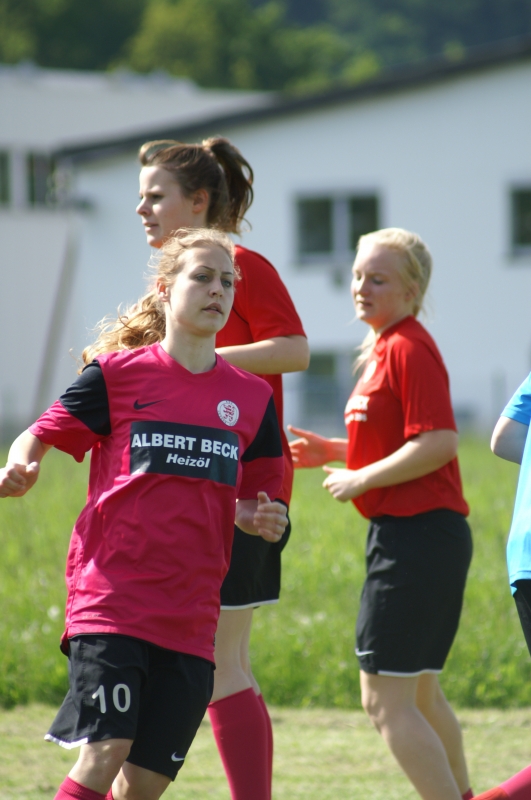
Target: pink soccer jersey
171	453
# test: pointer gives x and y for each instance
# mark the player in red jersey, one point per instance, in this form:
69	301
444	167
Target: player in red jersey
182	444
211	184
402	474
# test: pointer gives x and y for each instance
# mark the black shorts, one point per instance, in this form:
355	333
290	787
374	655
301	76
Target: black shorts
412	597
125	688
522	598
253	578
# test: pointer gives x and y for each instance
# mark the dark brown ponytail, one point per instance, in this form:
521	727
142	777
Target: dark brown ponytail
215	165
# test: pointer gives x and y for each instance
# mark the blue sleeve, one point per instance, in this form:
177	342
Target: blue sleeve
519	406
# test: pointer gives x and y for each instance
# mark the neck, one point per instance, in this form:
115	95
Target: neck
196	354
378	331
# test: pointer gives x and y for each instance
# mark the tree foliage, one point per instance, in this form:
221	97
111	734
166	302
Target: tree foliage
67	34
230	43
296	45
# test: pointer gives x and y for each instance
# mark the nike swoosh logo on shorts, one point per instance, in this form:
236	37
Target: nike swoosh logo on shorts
139	406
175	757
363	652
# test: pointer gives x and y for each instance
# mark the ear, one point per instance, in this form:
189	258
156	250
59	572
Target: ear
200	201
412	291
162	291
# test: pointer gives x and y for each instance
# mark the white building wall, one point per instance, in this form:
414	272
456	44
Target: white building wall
29	286
442	159
41	110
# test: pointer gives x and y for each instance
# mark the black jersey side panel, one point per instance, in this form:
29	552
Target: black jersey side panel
267	442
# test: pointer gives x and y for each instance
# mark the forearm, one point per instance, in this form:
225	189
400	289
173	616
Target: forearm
270	356
27	449
420	456
312	450
508	439
337	450
23	464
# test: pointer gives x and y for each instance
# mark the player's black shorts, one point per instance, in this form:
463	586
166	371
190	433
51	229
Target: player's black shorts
253	578
412	596
126	688
522	598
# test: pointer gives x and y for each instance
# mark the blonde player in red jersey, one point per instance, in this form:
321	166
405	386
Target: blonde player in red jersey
402	474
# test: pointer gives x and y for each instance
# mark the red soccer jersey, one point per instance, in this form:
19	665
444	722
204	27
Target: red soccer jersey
171	452
262	310
403	391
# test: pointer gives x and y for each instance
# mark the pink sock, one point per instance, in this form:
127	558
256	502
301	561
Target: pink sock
269	739
519	786
69	789
242	739
468	795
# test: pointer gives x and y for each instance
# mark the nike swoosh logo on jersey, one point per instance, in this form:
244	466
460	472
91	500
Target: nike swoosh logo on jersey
364	652
139	406
175	757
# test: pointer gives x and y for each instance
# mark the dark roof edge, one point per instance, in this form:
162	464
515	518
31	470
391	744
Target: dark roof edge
405	77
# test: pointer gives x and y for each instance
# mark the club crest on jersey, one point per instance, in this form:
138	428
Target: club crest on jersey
228	412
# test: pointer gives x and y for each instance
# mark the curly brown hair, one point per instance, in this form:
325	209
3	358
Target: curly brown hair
144	322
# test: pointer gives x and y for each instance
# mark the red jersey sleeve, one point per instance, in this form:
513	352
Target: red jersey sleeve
57	427
418	379
263	461
263	300
80	418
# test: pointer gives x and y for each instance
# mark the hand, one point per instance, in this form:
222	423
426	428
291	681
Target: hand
270	518
344	484
17	479
311	450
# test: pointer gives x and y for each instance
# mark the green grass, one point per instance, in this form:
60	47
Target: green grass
302	648
319	755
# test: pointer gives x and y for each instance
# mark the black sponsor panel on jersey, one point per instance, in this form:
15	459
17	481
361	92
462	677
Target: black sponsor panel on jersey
192	451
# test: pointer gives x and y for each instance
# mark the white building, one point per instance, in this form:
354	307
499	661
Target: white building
442	149
41	111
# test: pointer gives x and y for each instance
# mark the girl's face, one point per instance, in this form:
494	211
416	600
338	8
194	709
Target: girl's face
164	208
200	298
379	294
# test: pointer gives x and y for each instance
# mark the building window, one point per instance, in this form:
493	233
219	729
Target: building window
326	386
329	227
521	219
40	169
321	389
315	226
4	179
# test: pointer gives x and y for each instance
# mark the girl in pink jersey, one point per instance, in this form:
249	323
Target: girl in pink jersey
182	444
211	184
402	474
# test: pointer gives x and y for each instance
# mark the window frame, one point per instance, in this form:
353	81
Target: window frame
5	179
34	200
516	249
341	253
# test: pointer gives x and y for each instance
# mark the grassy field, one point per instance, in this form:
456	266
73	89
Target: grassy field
302	648
319	755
